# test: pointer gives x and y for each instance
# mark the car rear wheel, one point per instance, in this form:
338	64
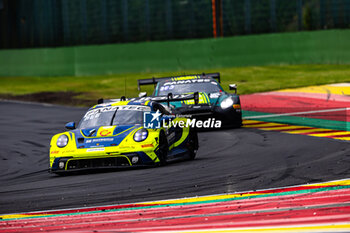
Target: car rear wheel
163	149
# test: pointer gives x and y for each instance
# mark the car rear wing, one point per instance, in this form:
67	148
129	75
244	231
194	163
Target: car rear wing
161	99
149	81
154	80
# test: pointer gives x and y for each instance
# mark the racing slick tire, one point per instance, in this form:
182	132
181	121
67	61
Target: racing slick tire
163	149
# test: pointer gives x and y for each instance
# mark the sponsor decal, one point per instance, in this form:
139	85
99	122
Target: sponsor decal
55	152
159	98
166	88
99	140
95	113
201	80
95	149
147	145
67	151
236	106
215	95
105	132
186	77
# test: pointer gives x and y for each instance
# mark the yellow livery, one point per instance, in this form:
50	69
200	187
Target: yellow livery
122	134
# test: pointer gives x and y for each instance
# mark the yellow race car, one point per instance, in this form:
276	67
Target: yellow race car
122	134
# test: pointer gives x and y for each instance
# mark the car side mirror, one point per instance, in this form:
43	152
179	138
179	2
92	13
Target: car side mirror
142	94
233	87
70	125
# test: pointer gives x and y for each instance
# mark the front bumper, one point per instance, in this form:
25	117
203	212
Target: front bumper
70	164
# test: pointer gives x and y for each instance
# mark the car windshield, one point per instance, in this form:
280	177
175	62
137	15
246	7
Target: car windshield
188	86
114	115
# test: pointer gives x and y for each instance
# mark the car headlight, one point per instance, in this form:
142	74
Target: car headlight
228	102
140	135
62	141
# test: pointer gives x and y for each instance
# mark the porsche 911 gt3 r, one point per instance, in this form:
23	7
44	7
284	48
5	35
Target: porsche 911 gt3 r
214	102
112	135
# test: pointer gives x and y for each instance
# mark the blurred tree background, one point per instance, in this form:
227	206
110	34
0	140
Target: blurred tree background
53	23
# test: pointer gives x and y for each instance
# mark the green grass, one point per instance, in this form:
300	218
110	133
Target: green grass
249	80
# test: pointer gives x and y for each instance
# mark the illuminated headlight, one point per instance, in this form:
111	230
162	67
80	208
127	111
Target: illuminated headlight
140	135
228	102
62	141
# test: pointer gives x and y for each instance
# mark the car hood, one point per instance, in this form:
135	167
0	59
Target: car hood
102	136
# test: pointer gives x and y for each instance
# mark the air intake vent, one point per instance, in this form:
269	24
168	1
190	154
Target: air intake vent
80	140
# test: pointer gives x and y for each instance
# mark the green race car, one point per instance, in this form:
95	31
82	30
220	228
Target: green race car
214	103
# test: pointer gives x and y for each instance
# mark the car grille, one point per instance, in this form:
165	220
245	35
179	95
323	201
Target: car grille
196	110
99	162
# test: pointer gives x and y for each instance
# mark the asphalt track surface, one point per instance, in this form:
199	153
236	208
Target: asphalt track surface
227	161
